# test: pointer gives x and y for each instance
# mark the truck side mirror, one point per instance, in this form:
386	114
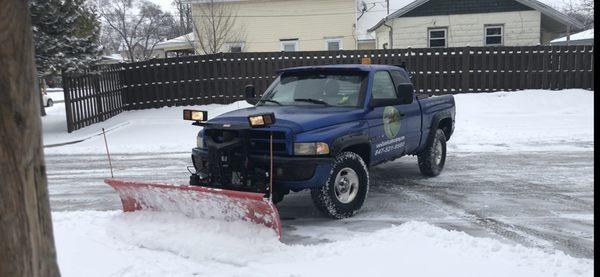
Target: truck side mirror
250	95
405	93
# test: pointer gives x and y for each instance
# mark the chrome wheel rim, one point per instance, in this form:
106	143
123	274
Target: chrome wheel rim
346	185
437	152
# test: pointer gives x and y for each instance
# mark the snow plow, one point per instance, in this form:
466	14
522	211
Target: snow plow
230	189
198	201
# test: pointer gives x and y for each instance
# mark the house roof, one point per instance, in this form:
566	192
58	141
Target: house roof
547	11
587	34
113	57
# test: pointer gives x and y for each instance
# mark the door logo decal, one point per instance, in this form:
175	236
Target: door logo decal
391	122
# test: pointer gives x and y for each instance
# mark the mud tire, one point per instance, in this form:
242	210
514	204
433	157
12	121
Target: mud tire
325	198
428	157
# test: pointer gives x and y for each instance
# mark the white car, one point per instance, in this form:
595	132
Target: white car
47	100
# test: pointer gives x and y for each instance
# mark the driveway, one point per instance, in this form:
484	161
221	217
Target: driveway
537	199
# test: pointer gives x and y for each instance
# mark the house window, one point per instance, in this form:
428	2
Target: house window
494	35
333	44
289	45
235	47
437	37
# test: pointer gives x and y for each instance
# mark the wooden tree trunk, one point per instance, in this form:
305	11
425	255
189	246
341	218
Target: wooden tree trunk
26	239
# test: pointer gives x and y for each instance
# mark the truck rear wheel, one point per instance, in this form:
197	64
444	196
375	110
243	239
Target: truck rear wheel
346	188
433	157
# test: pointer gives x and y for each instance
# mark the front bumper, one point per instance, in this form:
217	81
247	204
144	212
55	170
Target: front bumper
295	173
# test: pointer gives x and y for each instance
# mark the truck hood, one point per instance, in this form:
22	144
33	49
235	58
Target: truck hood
297	118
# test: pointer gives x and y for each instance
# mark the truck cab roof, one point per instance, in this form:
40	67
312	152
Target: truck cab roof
344	67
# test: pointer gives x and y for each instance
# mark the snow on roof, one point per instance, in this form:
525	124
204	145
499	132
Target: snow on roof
113	57
179	41
587	34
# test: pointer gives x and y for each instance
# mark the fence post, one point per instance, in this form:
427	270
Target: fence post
124	88
67	96
466	66
98	93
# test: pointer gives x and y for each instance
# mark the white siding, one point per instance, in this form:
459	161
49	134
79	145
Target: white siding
312	22
520	29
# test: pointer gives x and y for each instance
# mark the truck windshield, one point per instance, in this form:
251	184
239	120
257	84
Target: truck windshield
325	89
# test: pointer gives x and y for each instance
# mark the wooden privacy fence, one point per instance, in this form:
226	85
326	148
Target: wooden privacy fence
94	96
220	78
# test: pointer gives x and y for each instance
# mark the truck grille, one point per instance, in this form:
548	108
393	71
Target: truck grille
259	140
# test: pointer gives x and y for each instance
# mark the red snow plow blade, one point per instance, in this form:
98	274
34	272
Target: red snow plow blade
198	201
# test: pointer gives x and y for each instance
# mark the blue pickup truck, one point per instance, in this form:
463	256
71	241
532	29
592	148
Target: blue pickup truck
329	125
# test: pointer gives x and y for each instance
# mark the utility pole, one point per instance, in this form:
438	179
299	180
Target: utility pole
181	23
387	2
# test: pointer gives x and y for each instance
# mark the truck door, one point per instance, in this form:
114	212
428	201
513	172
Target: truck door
409	108
387	126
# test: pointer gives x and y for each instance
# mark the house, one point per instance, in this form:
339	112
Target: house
582	38
288	25
458	23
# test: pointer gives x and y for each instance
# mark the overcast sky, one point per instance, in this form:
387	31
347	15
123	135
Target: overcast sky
167	4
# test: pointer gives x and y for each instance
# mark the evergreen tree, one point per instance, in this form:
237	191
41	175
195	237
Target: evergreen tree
65	35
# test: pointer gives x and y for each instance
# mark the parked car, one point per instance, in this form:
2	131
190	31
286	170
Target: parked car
328	126
48	102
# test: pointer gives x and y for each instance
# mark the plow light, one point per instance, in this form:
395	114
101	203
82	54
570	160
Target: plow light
261	120
195	115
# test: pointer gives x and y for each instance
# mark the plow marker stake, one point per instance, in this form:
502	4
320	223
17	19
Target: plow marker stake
197	201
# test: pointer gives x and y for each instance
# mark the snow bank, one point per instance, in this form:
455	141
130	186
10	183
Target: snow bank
162	244
530	120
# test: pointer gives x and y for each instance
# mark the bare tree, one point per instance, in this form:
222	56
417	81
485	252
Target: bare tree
582	10
215	25
110	40
137	24
26	236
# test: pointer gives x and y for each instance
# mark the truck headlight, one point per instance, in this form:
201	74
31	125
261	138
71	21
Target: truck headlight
200	141
311	148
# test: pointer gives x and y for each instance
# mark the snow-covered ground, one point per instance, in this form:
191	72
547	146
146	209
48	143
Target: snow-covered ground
531	120
162	244
110	243
153	130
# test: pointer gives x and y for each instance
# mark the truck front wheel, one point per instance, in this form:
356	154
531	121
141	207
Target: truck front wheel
433	157
346	188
